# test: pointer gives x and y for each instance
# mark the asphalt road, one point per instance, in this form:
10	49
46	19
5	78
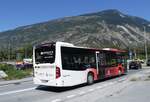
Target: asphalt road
28	92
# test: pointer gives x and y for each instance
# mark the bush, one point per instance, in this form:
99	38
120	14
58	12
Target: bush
13	73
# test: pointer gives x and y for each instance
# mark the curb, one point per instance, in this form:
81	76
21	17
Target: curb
2	83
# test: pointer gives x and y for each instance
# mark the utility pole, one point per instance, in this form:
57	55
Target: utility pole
9	51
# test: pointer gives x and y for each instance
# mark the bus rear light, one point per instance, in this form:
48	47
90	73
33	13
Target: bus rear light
58	74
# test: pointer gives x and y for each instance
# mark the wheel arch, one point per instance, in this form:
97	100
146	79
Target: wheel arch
93	71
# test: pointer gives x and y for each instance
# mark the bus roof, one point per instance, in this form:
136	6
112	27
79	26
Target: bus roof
113	49
53	43
72	45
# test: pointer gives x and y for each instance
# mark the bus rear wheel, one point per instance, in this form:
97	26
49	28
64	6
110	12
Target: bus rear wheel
90	79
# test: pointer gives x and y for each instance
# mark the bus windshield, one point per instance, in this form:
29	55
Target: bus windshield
45	54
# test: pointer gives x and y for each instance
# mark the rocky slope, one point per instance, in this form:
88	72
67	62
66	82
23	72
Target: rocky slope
109	28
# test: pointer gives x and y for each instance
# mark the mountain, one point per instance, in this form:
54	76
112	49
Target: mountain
108	28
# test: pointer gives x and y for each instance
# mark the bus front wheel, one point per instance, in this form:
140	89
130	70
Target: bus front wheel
90	79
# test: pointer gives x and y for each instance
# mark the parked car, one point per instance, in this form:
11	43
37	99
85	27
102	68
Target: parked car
135	65
19	65
26	63
148	62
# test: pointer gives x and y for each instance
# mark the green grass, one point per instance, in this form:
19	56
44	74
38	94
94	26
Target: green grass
13	73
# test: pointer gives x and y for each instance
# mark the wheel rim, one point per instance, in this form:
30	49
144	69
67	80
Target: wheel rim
119	72
90	79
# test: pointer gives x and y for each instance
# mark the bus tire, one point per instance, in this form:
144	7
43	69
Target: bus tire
90	79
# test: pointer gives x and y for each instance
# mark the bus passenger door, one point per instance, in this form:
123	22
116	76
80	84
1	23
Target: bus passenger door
97	62
101	65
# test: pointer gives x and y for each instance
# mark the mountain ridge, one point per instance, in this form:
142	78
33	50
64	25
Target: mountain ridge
108	28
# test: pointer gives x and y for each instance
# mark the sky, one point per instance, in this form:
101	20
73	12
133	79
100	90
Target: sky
16	13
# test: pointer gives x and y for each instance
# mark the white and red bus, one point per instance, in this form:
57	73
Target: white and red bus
62	64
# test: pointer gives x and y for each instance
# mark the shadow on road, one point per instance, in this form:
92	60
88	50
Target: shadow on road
58	89
63	89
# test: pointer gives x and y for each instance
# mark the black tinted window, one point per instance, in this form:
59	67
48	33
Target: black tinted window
45	54
77	59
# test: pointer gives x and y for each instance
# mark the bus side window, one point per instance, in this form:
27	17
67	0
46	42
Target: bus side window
86	62
66	62
92	61
76	62
102	59
81	62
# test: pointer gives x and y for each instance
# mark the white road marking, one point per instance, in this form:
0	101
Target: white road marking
110	83
99	87
56	100
4	85
71	96
17	91
90	90
106	84
82	92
